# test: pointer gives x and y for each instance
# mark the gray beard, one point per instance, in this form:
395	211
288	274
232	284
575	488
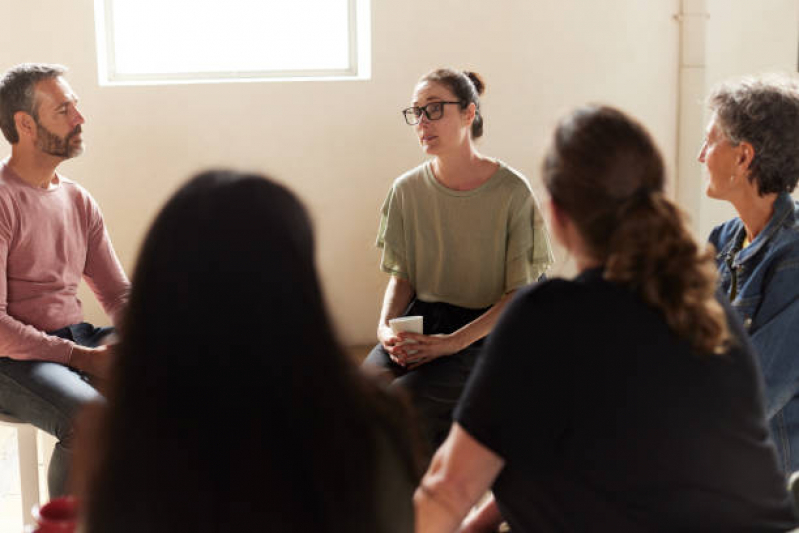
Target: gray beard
50	143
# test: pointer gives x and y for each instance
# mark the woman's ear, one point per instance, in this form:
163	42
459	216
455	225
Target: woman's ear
745	155
470	111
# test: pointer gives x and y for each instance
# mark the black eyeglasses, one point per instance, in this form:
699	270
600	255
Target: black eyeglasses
433	111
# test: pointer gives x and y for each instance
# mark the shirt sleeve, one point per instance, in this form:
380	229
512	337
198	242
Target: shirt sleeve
19	340
103	271
529	253
516	399
391	236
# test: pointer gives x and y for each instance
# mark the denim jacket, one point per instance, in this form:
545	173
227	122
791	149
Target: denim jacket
765	279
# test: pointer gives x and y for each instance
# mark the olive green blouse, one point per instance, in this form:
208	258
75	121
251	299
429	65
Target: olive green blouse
466	248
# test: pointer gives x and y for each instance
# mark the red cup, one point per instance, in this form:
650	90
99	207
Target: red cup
59	515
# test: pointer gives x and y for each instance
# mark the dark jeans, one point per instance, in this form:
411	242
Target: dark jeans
434	387
49	395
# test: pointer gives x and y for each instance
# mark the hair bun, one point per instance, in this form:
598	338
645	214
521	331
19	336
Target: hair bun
477	80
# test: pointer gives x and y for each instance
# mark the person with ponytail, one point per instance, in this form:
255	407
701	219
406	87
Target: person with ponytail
459	233
624	399
751	157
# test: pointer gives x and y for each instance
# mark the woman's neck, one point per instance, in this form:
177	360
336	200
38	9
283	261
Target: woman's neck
463	170
755	212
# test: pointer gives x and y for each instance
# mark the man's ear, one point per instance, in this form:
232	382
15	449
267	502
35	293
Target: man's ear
26	126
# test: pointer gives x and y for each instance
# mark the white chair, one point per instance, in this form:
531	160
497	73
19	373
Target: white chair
28	464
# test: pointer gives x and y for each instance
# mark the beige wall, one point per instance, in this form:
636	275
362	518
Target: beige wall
340	144
746	37
723	39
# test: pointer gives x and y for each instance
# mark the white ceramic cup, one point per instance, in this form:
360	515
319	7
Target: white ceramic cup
412	324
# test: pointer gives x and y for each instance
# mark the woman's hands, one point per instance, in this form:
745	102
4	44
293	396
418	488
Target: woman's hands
426	348
389	340
399	294
415	349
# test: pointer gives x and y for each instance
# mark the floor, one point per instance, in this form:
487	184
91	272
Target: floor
10	498
359	353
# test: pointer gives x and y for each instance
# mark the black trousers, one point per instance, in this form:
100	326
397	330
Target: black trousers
435	387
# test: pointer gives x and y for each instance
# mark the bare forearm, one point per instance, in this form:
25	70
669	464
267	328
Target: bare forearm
460	473
433	515
482	325
486	519
429	347
443	498
398	296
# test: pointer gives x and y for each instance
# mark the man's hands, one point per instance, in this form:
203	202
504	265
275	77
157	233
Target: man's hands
96	362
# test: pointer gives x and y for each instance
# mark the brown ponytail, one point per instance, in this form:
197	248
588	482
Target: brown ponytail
605	172
652	252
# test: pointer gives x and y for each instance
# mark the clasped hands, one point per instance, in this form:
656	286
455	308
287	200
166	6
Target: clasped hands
422	348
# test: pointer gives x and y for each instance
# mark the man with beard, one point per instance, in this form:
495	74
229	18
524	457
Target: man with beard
51	235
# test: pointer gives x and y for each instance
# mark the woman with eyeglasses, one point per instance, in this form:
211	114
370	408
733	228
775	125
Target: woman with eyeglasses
459	233
638	407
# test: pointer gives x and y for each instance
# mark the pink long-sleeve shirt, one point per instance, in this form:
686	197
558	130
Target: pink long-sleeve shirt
49	239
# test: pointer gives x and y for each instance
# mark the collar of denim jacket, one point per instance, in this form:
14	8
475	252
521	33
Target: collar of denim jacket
783	208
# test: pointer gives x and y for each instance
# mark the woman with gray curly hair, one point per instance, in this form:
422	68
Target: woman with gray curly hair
751	153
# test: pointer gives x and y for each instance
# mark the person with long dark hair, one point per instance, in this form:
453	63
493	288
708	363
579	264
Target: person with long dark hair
459	233
232	406
641	397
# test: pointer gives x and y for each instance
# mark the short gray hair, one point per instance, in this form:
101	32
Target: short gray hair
17	93
764	112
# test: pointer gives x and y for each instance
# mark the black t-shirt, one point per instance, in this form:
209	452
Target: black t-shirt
609	422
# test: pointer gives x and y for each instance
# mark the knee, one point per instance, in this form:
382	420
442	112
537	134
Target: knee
379	364
64	431
414	383
378	357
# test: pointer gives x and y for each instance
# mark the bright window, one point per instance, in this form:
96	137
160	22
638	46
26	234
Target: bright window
152	41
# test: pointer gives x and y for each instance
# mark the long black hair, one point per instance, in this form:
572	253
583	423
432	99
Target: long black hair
232	406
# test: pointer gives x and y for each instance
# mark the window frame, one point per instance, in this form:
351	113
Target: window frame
359	56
